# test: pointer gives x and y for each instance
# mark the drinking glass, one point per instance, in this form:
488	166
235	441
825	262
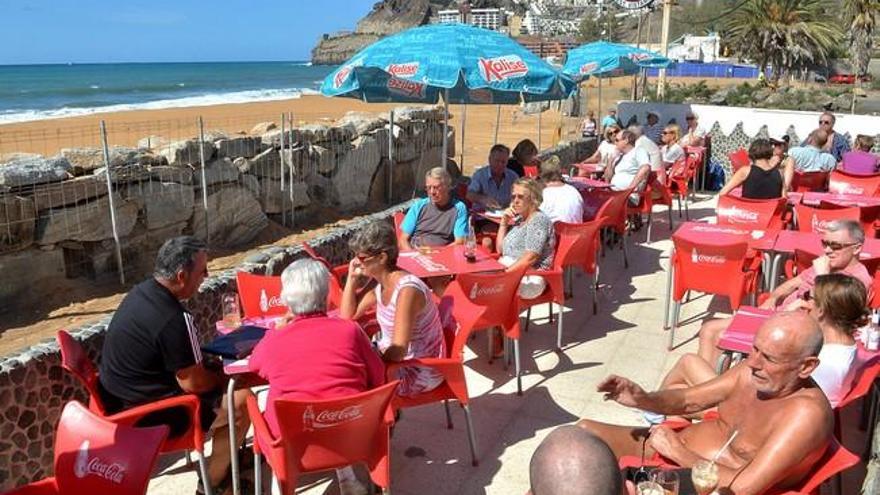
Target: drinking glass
649	488
667	480
231	311
704	474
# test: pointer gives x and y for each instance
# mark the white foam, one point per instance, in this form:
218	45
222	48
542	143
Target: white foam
13	116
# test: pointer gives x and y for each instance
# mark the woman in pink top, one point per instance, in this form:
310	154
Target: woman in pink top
405	309
861	160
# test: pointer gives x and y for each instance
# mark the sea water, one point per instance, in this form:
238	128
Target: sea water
33	92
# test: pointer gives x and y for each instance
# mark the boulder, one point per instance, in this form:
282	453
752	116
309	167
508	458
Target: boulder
321	159
32	170
69	192
263	128
163	203
266	164
406	114
186	152
362	122
235	218
86	160
167	173
273	200
354	172
720	97
318	133
252	183
88	222
217	172
272	139
322	191
17	223
240	146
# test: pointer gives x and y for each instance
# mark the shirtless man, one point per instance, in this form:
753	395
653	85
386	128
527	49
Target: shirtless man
783	419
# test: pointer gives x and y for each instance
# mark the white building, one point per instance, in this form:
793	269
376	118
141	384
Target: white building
448	16
493	19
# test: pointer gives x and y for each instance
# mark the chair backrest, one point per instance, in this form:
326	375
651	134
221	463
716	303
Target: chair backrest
836	459
75	360
738	159
576	244
810	181
530	170
323	434
260	295
862	381
613	212
94	455
712	268
493	294
842	182
811	219
335	286
398	221
594	201
754	214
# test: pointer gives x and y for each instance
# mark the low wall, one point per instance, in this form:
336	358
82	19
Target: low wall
33	387
55	213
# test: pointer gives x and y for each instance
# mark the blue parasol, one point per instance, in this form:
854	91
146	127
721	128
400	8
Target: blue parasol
604	59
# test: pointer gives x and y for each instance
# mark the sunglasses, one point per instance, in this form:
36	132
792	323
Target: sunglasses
824	122
666	132
518	196
690	118
364	257
837	246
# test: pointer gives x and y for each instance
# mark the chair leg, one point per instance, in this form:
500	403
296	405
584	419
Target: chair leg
648	235
528	319
679	206
448	415
258	474
189	459
596	289
623	246
686	212
559	330
669	212
203	472
472	439
517	367
550	309
676	309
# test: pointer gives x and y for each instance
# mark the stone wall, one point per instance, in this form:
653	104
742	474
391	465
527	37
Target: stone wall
34	388
55	221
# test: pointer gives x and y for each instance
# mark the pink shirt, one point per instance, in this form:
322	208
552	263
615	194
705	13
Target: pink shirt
808	280
316	357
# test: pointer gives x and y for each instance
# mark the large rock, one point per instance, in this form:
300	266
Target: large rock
266	164
163	203
320	133
89	222
32	170
17	223
186	152
272	139
262	128
363	122
69	192
86	160
355	171
321	159
167	173
235	218
273	200
217	172
407	114
239	146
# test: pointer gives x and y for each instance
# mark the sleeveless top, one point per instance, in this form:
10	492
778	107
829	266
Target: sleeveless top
762	184
426	338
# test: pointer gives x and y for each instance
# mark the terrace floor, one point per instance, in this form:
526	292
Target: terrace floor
626	337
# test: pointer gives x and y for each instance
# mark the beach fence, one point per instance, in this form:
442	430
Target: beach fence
98	199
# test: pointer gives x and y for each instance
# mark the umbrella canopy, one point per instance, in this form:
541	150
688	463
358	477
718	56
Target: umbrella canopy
604	59
472	64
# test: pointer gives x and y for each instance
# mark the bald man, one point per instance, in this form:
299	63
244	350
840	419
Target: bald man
783	419
572	461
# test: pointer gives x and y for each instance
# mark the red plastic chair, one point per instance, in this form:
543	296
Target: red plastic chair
97	456
647	201
841	182
799	263
869	216
752	214
398	221
318	435
723	269
680	175
75	360
697	156
482	301
862	382
612	215
337	275
260	295
454	386
810	181
811	219
739	159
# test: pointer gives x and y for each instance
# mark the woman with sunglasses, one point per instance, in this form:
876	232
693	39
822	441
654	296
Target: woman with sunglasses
526	237
607	151
405	309
838	302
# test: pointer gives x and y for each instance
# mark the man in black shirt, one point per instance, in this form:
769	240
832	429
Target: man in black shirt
152	352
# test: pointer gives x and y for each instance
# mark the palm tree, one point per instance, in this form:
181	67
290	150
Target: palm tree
862	17
786	35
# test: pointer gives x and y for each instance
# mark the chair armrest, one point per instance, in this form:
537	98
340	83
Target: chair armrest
46	486
543	273
189	402
261	428
446	366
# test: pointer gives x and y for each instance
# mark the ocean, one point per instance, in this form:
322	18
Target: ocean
34	92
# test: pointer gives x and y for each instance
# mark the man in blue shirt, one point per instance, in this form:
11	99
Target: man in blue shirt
490	186
437	220
811	156
610	119
836	144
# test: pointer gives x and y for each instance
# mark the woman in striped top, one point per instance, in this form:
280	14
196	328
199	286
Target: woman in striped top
405	309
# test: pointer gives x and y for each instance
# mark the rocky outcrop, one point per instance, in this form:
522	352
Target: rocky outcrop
24	171
234	217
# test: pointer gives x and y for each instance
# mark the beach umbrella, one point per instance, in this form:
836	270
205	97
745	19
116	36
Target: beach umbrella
462	63
605	59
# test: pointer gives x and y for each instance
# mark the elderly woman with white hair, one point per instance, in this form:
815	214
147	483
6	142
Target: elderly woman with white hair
315	355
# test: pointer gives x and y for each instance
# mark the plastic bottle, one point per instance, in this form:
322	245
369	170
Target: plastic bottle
264	301
470	244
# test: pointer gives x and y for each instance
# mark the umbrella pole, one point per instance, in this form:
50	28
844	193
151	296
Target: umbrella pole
599	102
445	126
463	121
540	114
497	123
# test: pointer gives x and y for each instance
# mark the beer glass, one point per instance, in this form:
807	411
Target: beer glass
231	311
704	474
667	480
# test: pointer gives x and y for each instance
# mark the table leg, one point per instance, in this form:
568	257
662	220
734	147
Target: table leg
668	291
233	443
775	266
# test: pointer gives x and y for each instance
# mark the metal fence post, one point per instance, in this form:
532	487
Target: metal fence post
390	157
283	196
112	203
204	179
292	203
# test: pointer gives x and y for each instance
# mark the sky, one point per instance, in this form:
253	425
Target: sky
104	31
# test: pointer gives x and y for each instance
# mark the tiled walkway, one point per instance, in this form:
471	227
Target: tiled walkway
626	337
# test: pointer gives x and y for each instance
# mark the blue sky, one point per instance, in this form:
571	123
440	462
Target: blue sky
98	31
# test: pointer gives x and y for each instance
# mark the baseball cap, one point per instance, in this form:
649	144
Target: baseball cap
783	139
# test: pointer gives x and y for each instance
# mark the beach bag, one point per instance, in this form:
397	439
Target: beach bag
715	175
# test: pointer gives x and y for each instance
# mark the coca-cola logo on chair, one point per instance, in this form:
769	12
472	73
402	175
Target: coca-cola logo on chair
95	466
328	418
712	259
738	215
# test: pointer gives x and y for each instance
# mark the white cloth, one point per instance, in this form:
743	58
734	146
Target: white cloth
691	136
627	167
608	152
671	153
834	374
563	204
653	151
531	286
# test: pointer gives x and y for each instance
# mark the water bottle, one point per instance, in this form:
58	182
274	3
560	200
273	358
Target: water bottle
872	340
470	244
